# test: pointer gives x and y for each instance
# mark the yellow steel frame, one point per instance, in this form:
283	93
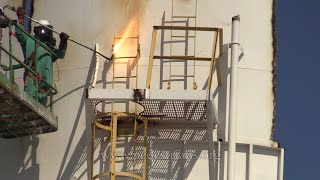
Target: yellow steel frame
218	34
113	128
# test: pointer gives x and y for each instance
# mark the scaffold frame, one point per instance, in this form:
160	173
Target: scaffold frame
113	129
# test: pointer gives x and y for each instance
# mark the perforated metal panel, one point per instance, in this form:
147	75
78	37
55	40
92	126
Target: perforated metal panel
174	110
169	110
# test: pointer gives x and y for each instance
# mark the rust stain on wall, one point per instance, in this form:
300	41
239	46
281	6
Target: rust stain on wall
274	65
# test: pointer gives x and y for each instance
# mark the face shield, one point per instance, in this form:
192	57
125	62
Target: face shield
44	33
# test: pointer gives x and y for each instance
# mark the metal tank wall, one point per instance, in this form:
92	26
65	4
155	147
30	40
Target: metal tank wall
65	153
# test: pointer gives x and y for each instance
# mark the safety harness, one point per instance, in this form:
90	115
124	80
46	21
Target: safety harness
31	63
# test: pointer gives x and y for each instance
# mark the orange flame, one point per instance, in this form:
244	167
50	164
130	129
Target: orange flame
124	37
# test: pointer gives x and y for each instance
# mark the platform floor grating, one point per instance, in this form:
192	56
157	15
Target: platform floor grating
168	110
174	110
20	114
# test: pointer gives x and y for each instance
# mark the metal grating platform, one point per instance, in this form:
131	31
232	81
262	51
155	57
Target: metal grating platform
174	110
20	114
163	108
169	110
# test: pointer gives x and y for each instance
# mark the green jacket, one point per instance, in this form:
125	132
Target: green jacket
45	59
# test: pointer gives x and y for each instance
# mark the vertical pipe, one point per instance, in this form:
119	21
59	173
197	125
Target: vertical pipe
280	164
250	162
233	97
218	159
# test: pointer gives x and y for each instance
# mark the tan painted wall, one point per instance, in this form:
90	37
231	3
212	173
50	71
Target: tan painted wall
64	154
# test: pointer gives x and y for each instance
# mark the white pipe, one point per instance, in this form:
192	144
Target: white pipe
250	162
218	163
280	165
233	97
96	71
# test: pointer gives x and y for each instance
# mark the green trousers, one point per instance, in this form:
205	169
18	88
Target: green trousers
30	88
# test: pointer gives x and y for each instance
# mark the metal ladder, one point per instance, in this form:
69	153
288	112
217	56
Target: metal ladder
174	19
128	62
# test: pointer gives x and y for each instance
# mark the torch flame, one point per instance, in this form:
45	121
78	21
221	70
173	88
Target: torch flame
124	37
118	45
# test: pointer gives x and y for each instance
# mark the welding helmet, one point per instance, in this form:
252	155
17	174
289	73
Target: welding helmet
43	33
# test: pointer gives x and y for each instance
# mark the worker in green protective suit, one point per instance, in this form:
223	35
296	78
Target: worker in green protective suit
33	52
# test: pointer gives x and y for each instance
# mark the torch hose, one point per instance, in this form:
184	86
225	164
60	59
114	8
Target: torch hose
74	41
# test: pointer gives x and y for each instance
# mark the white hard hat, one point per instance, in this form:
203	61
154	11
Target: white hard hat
43	22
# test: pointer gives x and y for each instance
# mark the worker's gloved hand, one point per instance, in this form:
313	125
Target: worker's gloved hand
63	40
64	36
21	13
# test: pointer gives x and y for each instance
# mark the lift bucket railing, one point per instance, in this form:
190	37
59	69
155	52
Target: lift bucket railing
34	72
